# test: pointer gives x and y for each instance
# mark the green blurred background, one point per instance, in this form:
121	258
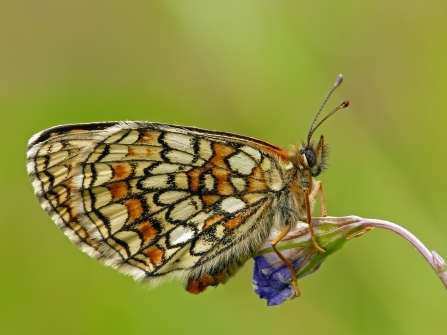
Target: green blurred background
253	67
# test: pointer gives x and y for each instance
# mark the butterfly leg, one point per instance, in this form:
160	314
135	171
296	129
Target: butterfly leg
309	219
285	260
319	189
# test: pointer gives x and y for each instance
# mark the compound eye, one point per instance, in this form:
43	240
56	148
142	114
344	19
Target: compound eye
310	156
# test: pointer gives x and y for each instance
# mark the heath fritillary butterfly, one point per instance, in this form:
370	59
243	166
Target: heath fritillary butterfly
159	201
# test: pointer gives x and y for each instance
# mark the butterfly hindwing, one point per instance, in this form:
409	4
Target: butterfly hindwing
156	200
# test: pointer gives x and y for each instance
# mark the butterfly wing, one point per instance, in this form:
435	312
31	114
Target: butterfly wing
157	201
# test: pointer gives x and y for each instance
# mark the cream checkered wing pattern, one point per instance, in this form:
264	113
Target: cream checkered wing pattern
158	201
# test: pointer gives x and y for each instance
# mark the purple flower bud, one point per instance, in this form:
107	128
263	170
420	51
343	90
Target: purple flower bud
272	279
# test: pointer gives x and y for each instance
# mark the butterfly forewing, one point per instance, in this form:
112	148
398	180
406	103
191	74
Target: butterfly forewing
156	200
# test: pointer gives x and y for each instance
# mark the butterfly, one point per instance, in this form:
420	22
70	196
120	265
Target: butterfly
159	201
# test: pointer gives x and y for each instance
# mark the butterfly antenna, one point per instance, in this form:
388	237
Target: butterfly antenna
343	105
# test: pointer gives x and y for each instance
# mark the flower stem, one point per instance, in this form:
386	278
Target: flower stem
432	257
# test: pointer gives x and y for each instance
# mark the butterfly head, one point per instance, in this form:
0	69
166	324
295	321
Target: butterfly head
313	156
